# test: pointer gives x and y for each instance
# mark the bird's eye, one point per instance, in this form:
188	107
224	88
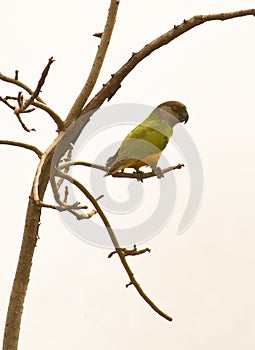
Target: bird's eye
174	107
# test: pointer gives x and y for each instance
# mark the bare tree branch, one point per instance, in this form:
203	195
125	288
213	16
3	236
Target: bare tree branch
34	99
22	145
97	64
39	105
51	113
20	84
37	91
109	89
23	124
23	104
120	251
139	176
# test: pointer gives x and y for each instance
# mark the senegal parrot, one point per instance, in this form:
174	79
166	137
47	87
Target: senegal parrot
144	144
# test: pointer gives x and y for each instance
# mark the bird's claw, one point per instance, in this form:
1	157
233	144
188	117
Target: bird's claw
139	175
158	172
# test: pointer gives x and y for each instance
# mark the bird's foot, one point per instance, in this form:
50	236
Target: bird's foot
158	172
139	175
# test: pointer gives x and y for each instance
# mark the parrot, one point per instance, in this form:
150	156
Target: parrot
144	144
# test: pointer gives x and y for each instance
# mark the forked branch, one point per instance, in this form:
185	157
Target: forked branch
33	100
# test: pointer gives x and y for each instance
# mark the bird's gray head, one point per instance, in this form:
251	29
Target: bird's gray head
176	112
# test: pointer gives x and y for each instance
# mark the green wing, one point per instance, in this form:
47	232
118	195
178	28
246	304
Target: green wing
147	138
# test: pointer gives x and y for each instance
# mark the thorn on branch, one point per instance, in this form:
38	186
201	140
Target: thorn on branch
98	35
16	75
184	21
129	284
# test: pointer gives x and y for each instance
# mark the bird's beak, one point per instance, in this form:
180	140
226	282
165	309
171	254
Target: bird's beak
185	116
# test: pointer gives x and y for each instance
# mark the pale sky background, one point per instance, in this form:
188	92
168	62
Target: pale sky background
204	278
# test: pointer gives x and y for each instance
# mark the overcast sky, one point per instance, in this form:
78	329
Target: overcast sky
203	278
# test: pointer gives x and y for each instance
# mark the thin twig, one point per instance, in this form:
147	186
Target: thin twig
22	145
22	123
97	64
37	91
115	242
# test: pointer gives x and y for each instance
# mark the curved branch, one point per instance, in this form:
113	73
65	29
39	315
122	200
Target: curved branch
97	64
51	113
22	145
110	88
119	250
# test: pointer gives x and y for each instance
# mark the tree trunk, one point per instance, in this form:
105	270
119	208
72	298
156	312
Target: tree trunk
20	284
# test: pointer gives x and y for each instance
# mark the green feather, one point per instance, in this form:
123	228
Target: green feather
149	137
